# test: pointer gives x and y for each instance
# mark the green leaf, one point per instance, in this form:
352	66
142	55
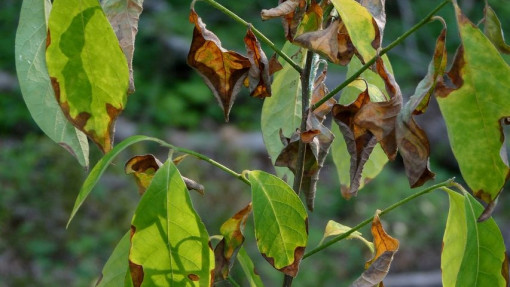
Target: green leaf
249	269
361	26
123	16
281	222
169	243
87	68
334	228
115	269
283	109
98	170
35	82
473	252
493	30
473	110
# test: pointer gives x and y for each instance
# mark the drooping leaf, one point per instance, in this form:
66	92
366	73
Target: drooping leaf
87	68
281	222
473	252
412	141
494	31
226	251
223	71
361	26
123	16
333	43
385	248
320	91
474	107
115	269
283	109
98	170
291	12
260	82
169	242
249	268
35	82
334	228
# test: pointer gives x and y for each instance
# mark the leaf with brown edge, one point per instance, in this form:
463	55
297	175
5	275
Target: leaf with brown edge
123	16
284	7
475	99
376	8
385	248
223	71
259	79
312	19
233	238
333	43
412	141
493	31
320	90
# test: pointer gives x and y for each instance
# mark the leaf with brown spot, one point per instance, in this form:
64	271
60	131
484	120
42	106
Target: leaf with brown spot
259	80
494	31
233	238
123	16
223	71
412	141
333	43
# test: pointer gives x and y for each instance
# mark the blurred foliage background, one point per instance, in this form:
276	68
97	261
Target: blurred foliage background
39	180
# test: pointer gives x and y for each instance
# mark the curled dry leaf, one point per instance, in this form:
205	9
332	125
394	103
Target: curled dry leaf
259	79
274	64
412	141
284	7
319	91
312	19
223	71
493	30
333	43
292	20
233	238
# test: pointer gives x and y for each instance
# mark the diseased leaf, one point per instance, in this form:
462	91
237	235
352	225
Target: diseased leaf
320	91
333	43
361	26
284	7
169	242
385	248
226	251
334	228
291	12
249	268
123	16
473	252
282	111
474	107
260	82
312	19
494	31
223	71
412	141
281	222
274	65
115	269
87	68
35	82
376	9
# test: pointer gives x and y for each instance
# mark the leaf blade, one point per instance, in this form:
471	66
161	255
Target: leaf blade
115	269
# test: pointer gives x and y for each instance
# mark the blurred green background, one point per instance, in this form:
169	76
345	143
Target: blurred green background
39	180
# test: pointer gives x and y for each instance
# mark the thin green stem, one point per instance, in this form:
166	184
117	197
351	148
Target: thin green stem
259	34
446	183
204	158
381	53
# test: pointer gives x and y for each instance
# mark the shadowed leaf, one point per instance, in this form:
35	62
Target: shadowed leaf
274	64
35	83
223	71
474	106
169	240
115	269
473	252
226	251
412	141
494	31
281	222
260	82
88	70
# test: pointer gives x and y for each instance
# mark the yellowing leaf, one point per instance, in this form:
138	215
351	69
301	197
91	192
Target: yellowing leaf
123	16
334	228
260	82
223	71
143	168
88	70
474	108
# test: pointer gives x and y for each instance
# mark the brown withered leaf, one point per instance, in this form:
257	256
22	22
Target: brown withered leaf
226	251
319	91
292	20
284	7
259	79
333	43
274	64
223	71
412	141
385	248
